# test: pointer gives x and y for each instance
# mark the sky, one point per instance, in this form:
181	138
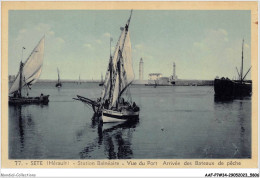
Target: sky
203	44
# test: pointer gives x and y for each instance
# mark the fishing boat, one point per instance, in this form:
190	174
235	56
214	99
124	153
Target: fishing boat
29	72
115	103
79	82
58	84
102	82
226	88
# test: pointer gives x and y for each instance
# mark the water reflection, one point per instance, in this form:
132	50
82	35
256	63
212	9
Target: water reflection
222	100
243	150
23	131
236	112
21	121
114	137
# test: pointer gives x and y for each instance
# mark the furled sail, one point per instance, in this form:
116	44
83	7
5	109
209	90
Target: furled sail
31	69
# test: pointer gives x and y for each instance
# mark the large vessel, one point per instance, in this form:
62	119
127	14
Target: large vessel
28	74
115	103
224	87
58	84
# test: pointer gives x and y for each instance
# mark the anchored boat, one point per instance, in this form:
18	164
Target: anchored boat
102	82
79	82
226	88
115	103
29	72
58	84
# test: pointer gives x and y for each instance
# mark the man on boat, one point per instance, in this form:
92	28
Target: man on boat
16	94
106	104
41	97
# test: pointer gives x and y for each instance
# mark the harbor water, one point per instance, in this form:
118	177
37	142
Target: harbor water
175	122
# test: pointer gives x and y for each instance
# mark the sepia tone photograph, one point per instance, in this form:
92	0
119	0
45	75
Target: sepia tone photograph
130	84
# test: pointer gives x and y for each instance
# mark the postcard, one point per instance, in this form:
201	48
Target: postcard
129	85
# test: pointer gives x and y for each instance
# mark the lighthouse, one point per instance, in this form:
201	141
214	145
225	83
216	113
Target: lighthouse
174	70
141	69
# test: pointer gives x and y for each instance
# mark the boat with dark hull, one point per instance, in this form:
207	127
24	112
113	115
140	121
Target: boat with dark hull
44	99
58	84
29	72
115	103
226	88
102	82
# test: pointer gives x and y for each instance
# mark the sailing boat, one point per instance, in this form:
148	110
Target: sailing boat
29	72
79	82
58	85
102	82
225	87
115	103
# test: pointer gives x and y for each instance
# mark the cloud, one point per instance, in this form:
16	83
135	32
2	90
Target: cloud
215	54
22	31
224	32
59	40
139	46
107	34
29	37
50	33
98	41
87	45
246	45
215	40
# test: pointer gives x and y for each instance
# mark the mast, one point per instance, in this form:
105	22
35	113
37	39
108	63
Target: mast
111	73
119	73
126	30
30	70
118	70
21	79
241	72
58	75
21	75
120	52
238	73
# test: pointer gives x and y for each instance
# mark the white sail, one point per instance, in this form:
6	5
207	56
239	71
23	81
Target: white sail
127	72
31	68
128	63
34	77
123	75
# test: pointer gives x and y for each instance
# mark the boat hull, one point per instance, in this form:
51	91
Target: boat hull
29	100
230	88
58	85
117	116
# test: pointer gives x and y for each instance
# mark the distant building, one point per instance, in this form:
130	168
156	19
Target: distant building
163	81
141	69
155	76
